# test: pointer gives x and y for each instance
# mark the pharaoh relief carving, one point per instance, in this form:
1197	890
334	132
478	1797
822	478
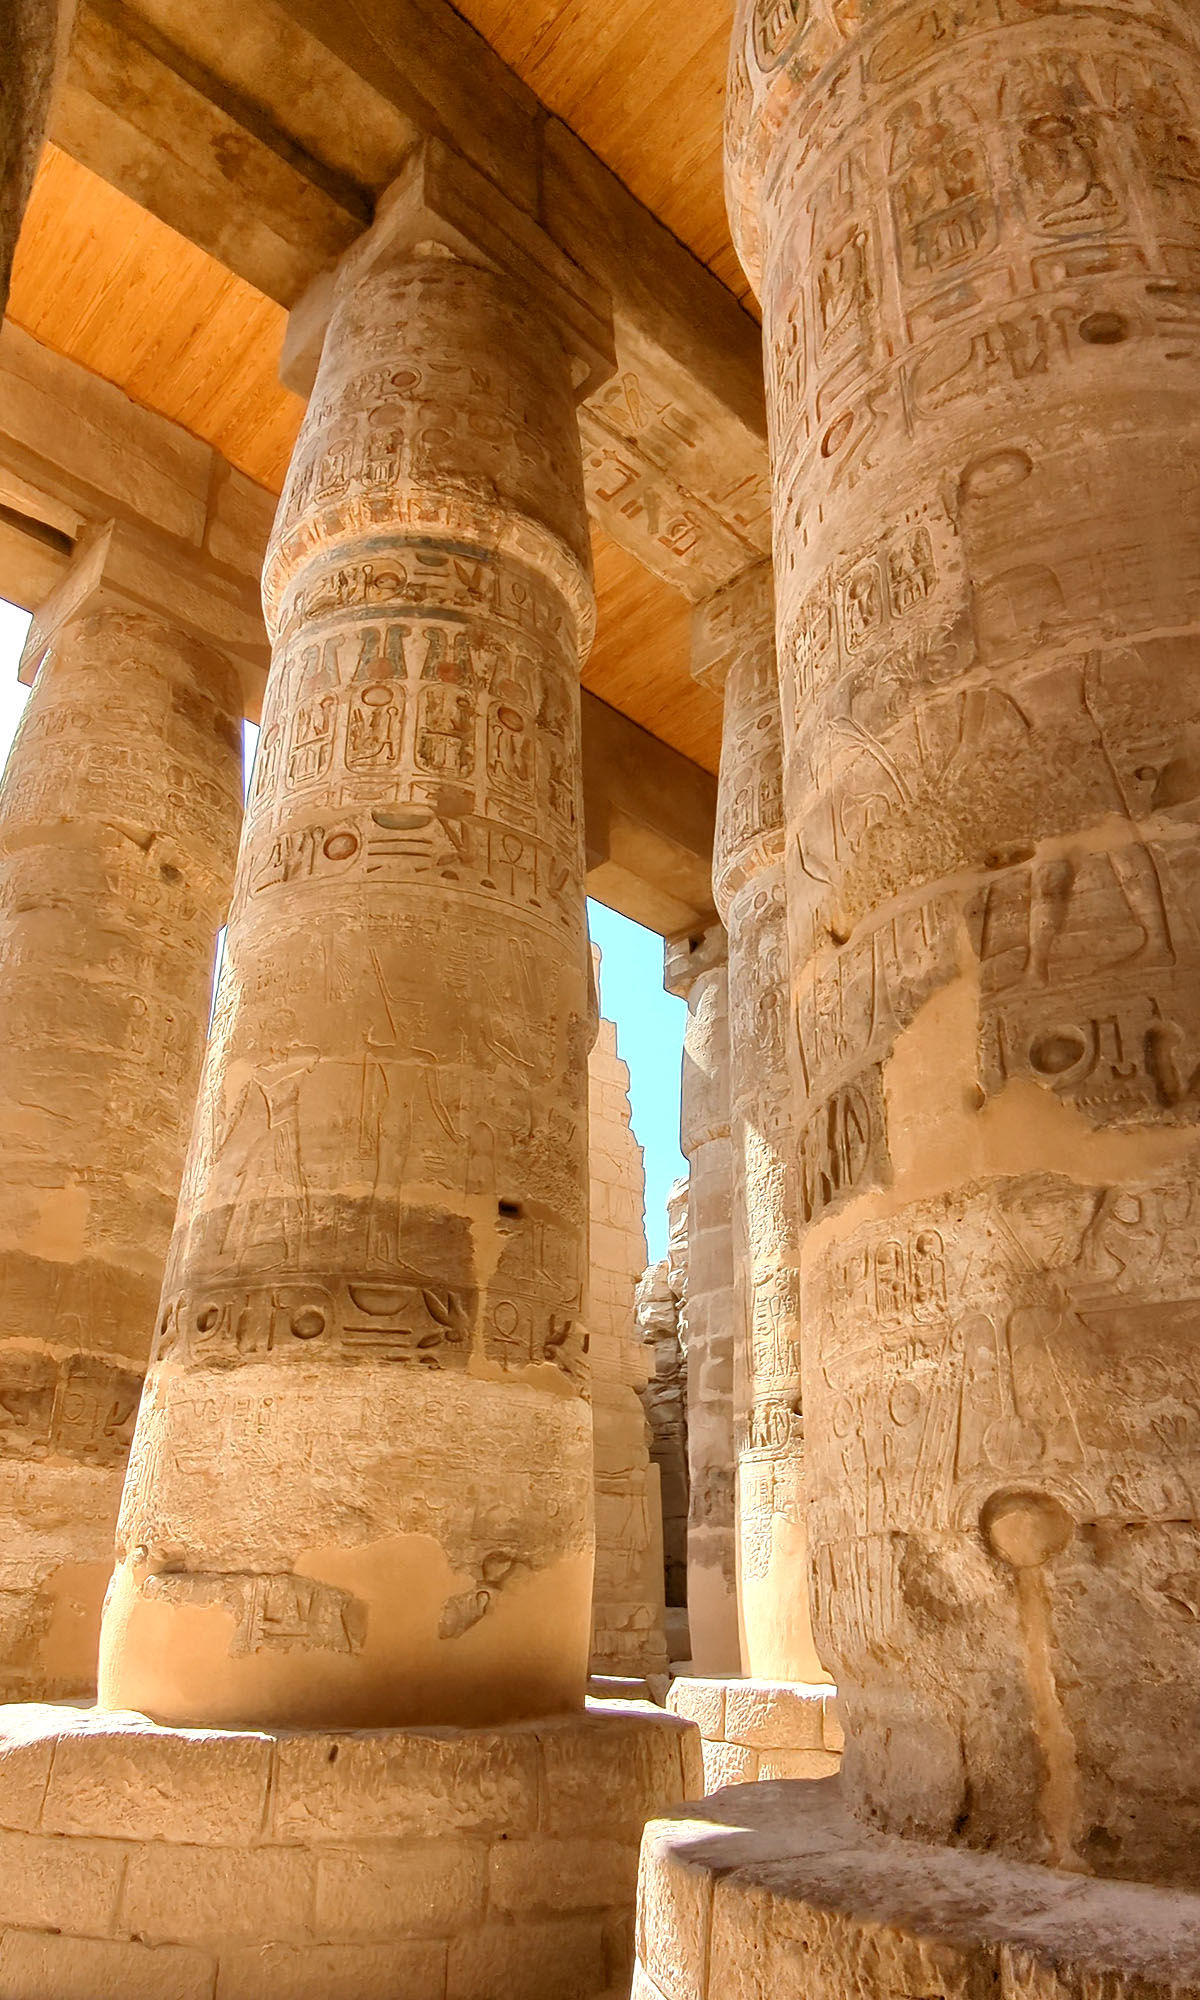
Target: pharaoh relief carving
371	1315
976	232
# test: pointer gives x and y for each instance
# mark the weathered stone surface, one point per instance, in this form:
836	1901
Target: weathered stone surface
420	1783
734	647
696	970
373	1864
360	1486
758	1729
776	1892
39	1965
970	227
119	817
546	1961
117	1775
593	1780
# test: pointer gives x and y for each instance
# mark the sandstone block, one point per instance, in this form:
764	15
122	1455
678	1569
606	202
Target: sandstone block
797	1764
430	1889
536	1876
40	1965
333	1972
174	1892
778	1716
700	1701
833	1734
26	1752
602	1772
424	1783
552	1961
45	1875
673	1909
121	1776
728	1764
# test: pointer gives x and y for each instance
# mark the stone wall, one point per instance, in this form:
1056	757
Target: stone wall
627	1603
756	1730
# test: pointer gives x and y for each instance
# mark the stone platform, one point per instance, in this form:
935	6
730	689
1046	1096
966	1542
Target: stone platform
146	1863
760	1729
773	1892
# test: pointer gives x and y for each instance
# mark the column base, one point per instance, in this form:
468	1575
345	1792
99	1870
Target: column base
437	1864
760	1729
775	1892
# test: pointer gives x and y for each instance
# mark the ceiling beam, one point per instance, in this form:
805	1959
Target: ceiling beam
263	130
76	454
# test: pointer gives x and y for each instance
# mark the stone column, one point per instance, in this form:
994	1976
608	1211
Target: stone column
118	825
696	970
360	1490
975	231
734	650
628	1635
33	36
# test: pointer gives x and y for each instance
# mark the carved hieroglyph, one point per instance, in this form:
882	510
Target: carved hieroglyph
975	225
735	643
697	971
628	1634
360	1489
119	816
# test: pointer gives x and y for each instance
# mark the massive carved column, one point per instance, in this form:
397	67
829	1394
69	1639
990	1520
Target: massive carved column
360	1490
734	650
118	826
975	229
696	969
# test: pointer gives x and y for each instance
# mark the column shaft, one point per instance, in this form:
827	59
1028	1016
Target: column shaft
118	825
977	229
360	1491
704	1137
748	880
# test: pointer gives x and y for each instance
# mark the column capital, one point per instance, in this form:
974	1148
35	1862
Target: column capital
119	567
738	616
441	205
689	954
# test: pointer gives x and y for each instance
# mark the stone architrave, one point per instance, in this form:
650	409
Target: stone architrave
696	970
119	818
734	650
628	1636
974	230
360	1488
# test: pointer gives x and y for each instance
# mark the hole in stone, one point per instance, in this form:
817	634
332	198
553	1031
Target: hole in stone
1025	1528
1147	773
1104	329
169	872
333	1754
1007	857
512	1209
